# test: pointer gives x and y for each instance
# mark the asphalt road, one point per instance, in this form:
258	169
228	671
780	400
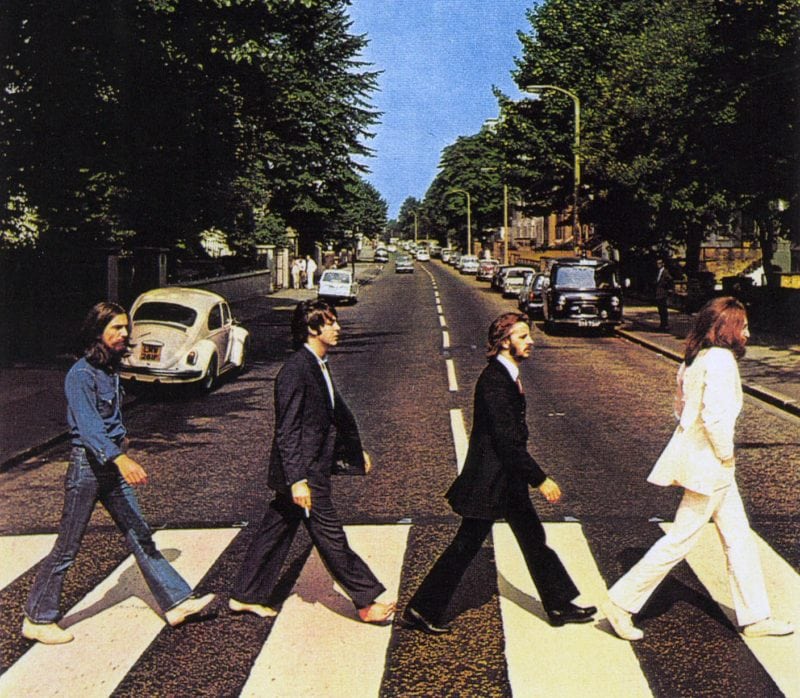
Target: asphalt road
599	409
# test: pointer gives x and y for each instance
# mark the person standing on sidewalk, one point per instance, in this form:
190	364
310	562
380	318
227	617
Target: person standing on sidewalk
700	458
664	285
311	269
494	485
313	428
100	470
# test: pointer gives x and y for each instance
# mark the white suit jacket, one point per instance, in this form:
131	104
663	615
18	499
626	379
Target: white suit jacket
708	402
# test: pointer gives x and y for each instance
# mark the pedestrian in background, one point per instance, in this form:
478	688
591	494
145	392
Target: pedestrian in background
311	268
313	428
700	458
297	273
100	470
664	285
494	484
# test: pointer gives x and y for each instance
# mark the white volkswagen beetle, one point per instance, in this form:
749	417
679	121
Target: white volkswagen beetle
183	335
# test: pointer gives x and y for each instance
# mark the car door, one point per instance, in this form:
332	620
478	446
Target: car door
219	331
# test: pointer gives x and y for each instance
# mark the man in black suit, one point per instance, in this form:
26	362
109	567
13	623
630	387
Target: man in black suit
493	485
664	285
314	429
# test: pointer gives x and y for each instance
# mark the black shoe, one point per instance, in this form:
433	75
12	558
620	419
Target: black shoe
416	621
571	614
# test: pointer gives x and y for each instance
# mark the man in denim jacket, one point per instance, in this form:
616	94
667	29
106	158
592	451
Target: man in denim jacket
99	469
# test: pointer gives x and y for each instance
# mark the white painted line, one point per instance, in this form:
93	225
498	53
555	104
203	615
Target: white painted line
778	655
445	339
460	440
452	384
442	321
318	647
20	553
113	624
607	666
439	309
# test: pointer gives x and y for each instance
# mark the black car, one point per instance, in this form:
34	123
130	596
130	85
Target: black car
531	295
582	293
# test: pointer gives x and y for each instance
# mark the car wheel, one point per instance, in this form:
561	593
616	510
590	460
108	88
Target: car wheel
209	379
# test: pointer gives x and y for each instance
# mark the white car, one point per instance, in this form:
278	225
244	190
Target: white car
183	335
513	280
423	255
338	285
468	264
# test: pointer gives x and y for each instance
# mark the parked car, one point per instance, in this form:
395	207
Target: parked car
381	255
338	285
423	255
497	278
513	278
468	264
486	269
582	293
455	258
403	264
531	295
183	335
446	254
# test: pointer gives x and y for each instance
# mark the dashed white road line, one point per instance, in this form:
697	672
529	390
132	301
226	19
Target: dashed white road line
460	440
452	384
445	339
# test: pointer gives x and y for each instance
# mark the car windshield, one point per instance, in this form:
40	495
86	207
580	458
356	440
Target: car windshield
585	277
165	312
337	277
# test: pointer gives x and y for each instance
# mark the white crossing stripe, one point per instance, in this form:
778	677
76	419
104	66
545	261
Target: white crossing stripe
452	383
112	625
535	651
318	646
460	440
779	656
20	553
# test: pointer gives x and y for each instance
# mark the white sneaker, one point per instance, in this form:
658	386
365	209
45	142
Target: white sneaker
768	626
620	621
260	610
176	616
46	633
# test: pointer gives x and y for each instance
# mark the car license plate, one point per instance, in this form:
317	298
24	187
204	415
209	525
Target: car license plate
588	323
150	352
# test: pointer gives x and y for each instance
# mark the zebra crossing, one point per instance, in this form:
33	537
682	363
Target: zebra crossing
317	647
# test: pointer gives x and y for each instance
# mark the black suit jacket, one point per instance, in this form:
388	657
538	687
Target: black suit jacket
498	467
310	433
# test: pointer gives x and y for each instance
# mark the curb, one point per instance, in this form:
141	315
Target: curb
771	397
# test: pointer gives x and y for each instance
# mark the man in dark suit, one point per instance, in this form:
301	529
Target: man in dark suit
494	484
314	429
664	285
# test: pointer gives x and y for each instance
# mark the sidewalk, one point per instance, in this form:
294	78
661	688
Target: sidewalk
32	403
770	370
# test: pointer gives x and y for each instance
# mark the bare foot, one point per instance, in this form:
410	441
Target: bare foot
377	612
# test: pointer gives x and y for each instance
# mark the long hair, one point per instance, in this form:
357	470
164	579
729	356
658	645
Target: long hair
90	336
719	323
500	330
310	315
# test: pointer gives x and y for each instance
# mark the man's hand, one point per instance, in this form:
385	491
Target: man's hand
550	490
367	463
131	471
301	494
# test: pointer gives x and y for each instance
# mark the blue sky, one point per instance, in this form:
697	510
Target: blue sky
440	59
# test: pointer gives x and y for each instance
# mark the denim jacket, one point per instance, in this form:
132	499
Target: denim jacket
94	414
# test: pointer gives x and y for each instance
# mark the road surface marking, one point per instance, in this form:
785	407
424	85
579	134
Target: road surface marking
460	440
439	309
607	665
445	339
442	321
452	384
20	553
318	647
113	624
778	655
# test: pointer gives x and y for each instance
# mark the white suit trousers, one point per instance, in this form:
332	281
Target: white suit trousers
745	575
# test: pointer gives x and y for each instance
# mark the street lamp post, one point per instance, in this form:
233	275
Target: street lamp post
576	152
469	216
505	215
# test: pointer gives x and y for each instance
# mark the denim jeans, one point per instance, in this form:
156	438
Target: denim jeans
87	482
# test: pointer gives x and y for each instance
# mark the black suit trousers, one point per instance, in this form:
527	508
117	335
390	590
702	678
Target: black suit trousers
552	581
262	563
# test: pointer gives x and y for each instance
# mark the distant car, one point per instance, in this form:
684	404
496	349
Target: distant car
445	254
531	295
455	259
436	251
486	269
468	264
381	255
392	247
582	293
513	279
497	277
403	264
183	335
423	255
338	285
